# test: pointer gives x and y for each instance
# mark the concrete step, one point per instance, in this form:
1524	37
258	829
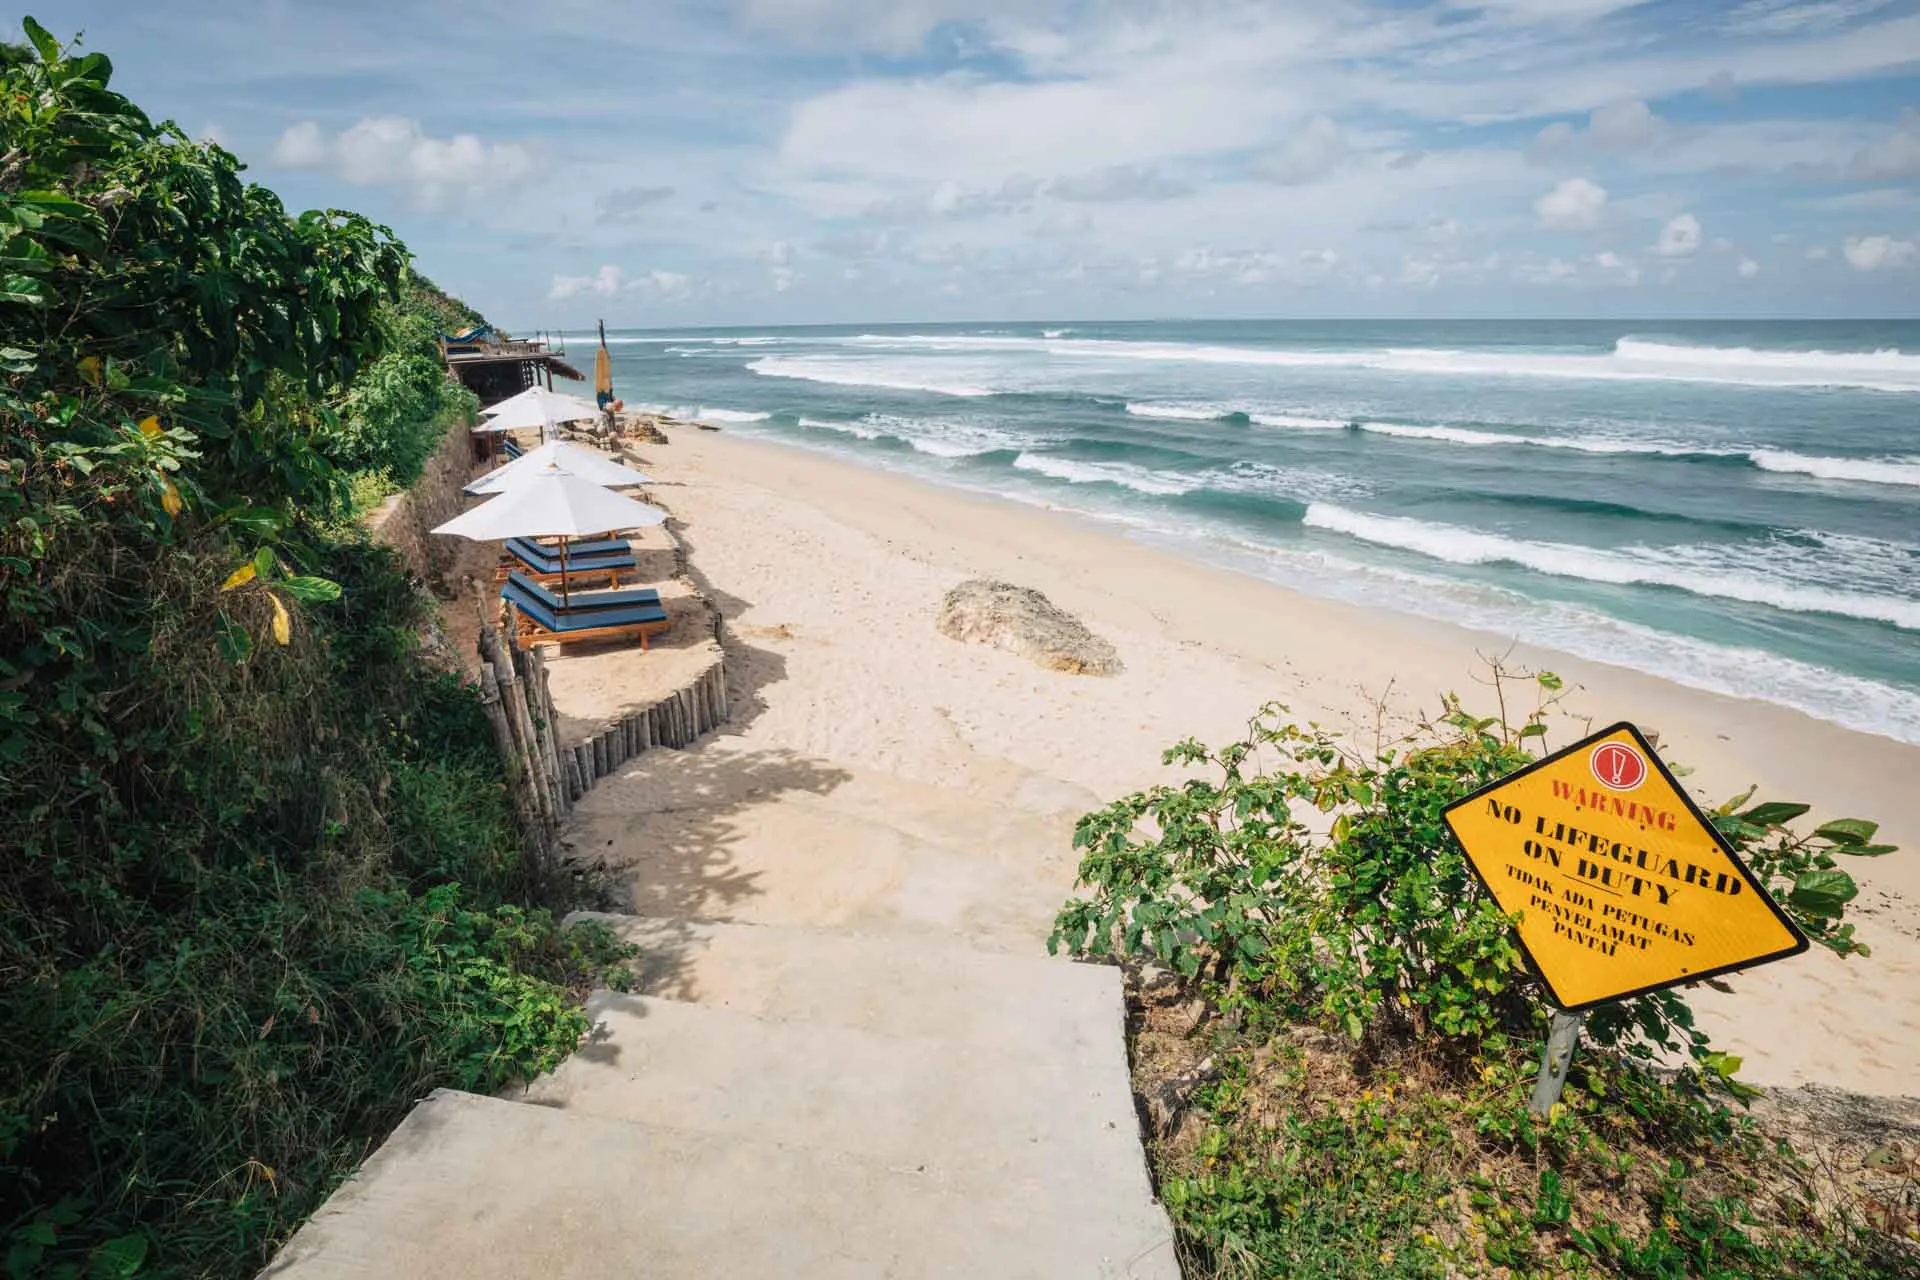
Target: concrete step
1037	1105
473	1188
907	983
853	851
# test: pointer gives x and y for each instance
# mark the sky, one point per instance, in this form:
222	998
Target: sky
673	163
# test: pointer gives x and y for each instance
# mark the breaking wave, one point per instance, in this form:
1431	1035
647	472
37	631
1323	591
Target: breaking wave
1702	571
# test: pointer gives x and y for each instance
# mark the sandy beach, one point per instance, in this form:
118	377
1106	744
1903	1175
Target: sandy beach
878	768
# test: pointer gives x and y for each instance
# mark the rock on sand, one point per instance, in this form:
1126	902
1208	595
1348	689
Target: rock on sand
1021	620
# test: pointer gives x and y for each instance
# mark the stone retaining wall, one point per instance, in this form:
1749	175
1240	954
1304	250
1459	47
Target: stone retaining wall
403	521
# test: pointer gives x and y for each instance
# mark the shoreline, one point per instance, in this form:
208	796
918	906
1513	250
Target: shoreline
838	569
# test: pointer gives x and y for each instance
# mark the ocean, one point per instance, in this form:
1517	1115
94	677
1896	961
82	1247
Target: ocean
1731	505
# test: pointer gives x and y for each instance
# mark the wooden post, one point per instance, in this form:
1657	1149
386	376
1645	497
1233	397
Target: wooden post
526	751
548	728
1554	1063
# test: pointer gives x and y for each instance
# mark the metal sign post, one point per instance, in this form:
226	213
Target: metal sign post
1561	1040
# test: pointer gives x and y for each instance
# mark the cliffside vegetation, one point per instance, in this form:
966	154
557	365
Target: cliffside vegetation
1338	1036
260	887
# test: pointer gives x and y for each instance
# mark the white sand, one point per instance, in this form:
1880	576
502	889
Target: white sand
879	768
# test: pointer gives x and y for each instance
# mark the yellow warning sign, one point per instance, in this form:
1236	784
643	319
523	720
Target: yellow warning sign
1621	884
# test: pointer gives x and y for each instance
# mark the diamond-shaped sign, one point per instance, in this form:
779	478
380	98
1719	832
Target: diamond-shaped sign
1621	884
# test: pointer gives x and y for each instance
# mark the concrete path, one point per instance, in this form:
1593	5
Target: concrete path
848	1056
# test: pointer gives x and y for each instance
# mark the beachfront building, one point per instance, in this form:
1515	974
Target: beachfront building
494	366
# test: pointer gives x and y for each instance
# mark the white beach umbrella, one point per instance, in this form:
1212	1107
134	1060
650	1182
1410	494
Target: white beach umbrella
535	407
552	504
573	459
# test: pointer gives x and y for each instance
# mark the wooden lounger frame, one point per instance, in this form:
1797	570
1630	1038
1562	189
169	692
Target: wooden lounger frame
527	632
574	572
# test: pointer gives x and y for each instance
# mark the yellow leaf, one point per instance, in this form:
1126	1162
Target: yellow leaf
149	426
90	369
282	622
239	577
169	497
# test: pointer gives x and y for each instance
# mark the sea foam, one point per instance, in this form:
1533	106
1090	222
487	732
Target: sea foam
1139	479
852	373
1631	359
1701	571
1904	471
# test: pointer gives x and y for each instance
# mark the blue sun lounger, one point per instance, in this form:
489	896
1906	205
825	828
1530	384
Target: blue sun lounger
535	623
519	584
544	568
576	549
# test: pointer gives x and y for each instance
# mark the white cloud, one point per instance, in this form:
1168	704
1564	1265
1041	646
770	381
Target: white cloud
1819	253
1313	152
395	151
664	284
882	26
1624	126
1113	184
605	282
1627	272
302	146
1872	200
626	204
1680	238
1872	253
1748	268
1892	158
1793	17
1574	205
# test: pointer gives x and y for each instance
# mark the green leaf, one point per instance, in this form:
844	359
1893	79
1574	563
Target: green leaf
235	644
42	40
1548	680
311	590
24	289
1724	1065
1869	850
1848	831
1534	730
1824	893
263	563
1774	813
118	1259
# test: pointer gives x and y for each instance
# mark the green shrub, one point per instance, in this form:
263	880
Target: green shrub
260	885
1316	880
1373	1033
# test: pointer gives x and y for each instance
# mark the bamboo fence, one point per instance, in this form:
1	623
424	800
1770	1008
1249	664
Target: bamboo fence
548	777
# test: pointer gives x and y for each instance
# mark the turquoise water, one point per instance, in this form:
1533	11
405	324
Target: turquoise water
1735	506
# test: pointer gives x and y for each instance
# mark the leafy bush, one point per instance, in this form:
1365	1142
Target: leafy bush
1370	1032
260	886
1316	880
400	407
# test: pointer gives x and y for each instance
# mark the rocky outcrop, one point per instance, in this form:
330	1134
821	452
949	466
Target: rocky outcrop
1021	620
